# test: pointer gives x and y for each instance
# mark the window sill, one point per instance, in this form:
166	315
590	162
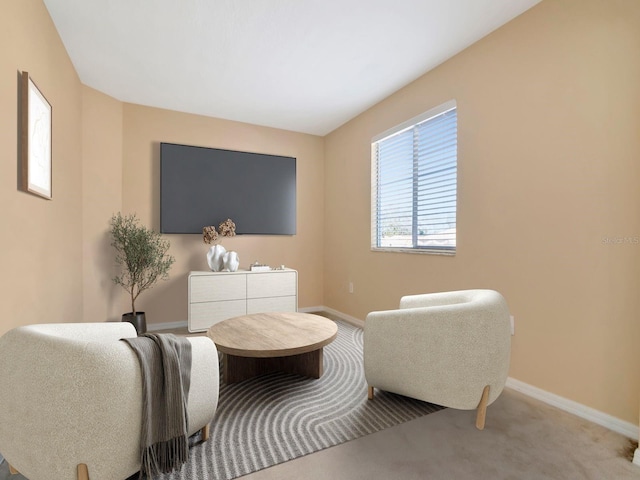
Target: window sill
420	251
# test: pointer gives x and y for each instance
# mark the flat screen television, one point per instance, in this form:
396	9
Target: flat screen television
204	186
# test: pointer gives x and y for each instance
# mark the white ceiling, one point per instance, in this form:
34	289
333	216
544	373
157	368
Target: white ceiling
301	65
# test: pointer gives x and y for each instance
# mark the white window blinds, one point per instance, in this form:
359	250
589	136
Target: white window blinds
414	184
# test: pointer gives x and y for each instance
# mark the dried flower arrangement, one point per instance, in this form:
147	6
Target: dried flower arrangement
209	234
225	229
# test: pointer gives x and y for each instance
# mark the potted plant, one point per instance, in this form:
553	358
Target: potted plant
142	254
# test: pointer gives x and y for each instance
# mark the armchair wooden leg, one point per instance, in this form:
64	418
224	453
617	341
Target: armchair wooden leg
370	393
205	433
12	470
83	472
482	409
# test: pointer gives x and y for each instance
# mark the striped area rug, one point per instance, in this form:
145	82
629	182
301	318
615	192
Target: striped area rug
274	418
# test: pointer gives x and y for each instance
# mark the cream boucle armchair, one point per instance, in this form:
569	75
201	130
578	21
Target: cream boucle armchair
450	348
71	400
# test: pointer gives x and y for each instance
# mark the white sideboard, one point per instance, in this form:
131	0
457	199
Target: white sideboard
216	296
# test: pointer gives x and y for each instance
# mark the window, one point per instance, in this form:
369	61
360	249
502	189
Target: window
414	184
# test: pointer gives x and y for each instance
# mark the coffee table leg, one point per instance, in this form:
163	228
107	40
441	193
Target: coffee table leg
308	364
236	369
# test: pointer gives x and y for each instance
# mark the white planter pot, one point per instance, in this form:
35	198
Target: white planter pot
215	257
231	261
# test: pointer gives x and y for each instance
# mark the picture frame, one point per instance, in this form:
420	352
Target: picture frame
36	139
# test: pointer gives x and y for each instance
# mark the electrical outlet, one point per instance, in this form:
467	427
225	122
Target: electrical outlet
350	287
513	324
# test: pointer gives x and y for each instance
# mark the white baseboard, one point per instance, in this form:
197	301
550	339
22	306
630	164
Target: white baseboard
154	327
312	309
342	316
600	418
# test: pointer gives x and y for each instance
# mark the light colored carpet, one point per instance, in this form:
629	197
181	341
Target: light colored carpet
524	439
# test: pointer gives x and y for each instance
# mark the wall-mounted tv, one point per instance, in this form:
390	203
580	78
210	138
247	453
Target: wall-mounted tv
204	186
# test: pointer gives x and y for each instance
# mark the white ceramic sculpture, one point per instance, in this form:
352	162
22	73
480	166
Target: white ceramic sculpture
215	257
231	261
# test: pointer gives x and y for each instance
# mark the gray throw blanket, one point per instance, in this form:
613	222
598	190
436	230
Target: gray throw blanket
165	362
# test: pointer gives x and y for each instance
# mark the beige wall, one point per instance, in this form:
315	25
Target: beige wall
548	165
40	240
145	128
101	198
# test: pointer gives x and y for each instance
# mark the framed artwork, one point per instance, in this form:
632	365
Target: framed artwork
35	139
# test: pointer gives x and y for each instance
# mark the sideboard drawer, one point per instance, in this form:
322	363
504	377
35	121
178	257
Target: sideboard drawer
203	315
272	304
272	284
208	288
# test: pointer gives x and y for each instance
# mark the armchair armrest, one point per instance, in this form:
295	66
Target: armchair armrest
440	298
91	332
205	381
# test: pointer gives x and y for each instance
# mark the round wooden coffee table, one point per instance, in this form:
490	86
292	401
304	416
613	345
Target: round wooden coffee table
262	343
